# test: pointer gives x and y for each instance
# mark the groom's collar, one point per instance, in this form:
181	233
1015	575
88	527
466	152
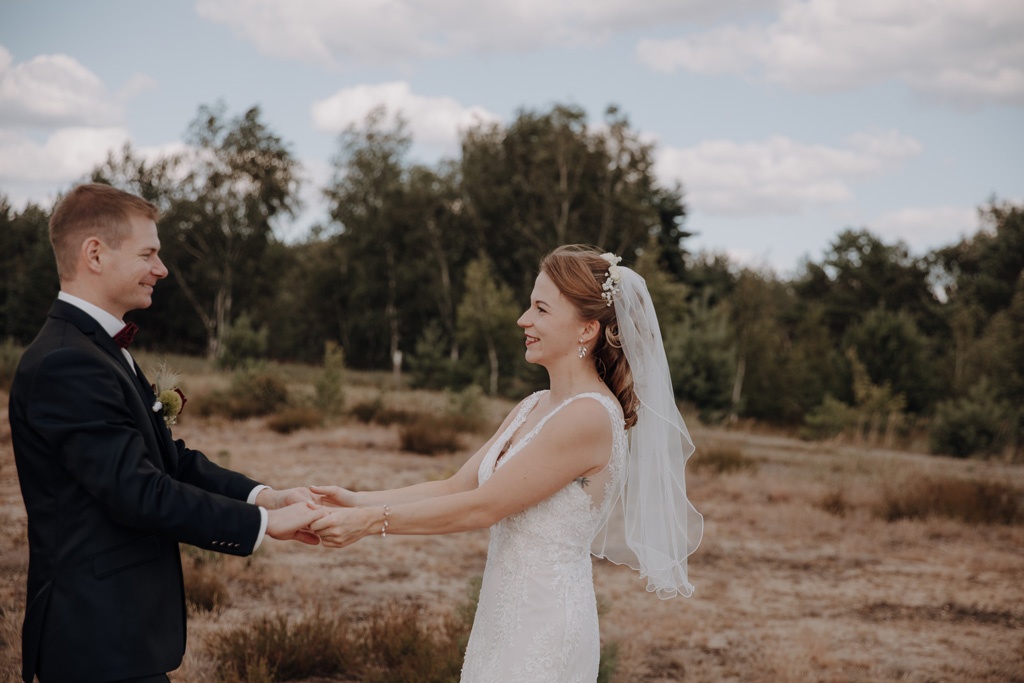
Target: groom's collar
109	323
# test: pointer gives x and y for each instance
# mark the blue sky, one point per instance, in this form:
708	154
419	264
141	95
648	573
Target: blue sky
786	121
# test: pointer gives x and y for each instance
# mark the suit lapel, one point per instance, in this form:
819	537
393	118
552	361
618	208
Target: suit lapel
88	325
167	450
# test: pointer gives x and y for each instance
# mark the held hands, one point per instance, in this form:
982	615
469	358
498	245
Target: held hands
272	500
292	522
335	496
316	514
341	527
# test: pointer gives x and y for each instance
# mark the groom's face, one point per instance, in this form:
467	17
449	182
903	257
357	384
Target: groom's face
132	271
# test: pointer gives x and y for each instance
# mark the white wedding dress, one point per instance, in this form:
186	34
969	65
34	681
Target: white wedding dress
537	617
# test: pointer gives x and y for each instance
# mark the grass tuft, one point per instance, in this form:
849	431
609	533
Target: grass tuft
427	436
277	648
722	460
973	502
295	418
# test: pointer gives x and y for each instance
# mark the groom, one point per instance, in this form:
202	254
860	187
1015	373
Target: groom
109	494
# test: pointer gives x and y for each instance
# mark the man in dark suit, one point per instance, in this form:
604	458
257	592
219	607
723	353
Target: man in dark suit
109	494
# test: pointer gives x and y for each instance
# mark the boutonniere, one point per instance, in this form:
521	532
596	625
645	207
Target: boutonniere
170	400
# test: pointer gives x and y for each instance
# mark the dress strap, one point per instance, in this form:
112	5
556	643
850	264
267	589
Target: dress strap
600	398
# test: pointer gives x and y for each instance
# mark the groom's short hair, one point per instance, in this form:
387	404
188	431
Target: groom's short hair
93	210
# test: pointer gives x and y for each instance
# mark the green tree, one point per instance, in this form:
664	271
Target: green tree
28	271
241	179
548	179
487	318
895	353
861	273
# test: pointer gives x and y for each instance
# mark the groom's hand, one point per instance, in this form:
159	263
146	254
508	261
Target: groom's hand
273	500
291	523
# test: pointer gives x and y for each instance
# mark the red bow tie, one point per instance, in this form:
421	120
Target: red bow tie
126	335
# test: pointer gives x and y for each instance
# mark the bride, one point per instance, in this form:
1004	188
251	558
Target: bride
593	465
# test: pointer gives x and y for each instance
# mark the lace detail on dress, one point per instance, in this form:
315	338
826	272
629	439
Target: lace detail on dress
536	621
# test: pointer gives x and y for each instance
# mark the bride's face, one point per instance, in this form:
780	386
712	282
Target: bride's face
551	324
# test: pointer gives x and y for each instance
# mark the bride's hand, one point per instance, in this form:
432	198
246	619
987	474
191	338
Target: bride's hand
341	527
335	495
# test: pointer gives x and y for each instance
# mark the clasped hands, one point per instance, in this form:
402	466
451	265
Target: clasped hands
314	515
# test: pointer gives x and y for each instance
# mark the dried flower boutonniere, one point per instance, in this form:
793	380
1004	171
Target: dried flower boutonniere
170	400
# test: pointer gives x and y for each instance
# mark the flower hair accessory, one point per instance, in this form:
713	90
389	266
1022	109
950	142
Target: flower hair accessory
611	283
170	400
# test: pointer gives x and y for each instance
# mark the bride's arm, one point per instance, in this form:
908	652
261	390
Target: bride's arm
575	442
463	480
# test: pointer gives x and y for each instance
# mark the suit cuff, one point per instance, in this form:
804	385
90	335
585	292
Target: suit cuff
263	528
251	500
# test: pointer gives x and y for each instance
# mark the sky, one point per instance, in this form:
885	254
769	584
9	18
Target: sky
784	121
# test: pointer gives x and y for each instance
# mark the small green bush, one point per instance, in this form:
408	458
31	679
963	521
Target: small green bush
975	423
609	662
242	343
973	502
294	418
722	460
429	436
254	392
330	394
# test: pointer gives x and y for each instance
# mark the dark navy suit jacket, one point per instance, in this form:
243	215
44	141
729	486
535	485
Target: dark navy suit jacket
109	496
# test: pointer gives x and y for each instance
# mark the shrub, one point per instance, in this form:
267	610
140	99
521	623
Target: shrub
401	646
609	662
10	355
294	418
975	423
428	436
276	648
253	393
377	412
974	502
722	460
466	409
829	419
330	395
366	411
205	590
242	343
835	503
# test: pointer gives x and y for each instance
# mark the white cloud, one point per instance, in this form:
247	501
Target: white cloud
51	91
65	155
329	32
433	121
960	52
779	175
927	227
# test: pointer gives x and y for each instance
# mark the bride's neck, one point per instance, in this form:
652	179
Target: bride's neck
574	377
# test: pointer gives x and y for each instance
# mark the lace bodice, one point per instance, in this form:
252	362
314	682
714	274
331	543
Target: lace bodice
537	616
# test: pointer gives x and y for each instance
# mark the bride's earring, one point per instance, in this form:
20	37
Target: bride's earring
583	350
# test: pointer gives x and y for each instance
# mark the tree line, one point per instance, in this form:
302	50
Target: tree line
425	268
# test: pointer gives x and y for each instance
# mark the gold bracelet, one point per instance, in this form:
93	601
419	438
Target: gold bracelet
384	527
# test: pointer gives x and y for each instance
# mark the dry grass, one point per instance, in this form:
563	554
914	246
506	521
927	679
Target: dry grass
797	578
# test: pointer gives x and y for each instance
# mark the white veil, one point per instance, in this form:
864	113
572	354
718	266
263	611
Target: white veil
651	525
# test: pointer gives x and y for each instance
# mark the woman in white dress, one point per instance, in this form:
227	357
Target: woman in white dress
594	465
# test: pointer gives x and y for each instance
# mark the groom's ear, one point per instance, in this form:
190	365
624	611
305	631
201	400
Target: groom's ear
90	255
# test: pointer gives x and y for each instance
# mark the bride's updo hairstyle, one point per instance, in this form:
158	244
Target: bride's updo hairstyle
579	273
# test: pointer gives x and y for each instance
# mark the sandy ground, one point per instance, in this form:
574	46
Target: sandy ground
786	591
